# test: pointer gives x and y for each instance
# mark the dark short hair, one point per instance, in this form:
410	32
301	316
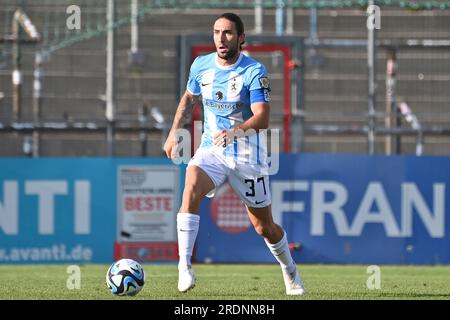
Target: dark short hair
237	22
234	18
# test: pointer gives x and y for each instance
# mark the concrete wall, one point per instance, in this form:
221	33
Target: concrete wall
74	78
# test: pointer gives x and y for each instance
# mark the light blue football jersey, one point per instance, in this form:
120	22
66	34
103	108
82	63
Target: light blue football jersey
227	93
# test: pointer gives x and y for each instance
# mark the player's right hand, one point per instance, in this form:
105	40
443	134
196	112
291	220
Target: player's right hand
170	147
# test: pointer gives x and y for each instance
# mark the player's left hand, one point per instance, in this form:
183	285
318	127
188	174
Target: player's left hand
222	138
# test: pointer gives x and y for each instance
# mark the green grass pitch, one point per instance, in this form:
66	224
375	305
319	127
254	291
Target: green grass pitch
230	282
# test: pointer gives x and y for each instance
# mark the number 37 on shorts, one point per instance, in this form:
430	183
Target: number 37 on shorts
255	192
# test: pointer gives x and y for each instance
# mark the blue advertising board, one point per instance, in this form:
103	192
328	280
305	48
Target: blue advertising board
336	208
341	209
61	210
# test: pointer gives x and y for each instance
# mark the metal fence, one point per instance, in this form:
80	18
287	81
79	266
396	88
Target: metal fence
110	87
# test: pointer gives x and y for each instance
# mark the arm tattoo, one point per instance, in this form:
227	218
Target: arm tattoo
184	112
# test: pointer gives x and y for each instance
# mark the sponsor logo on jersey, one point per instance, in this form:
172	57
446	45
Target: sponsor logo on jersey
217	105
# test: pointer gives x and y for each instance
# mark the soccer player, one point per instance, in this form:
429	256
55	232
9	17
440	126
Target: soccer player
234	89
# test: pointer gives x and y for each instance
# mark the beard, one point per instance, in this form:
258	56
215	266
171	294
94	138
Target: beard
231	53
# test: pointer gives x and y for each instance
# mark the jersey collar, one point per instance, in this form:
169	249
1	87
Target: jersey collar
232	66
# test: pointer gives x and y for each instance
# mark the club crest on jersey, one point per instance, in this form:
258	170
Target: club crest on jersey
264	82
233	85
219	95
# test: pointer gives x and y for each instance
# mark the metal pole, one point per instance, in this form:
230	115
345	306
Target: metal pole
391	66
110	112
37	94
371	57
134	26
419	142
279	17
143	119
16	73
20	20
297	98
279	29
313	38
313	24
258	17
289	18
398	124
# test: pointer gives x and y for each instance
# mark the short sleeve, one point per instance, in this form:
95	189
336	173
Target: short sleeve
192	83
259	78
259	85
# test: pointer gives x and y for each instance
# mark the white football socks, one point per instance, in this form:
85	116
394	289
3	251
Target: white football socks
281	252
187	229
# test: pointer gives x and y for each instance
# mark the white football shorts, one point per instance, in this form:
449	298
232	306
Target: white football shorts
252	187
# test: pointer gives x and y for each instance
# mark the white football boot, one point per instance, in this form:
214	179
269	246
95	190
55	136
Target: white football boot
294	284
186	279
